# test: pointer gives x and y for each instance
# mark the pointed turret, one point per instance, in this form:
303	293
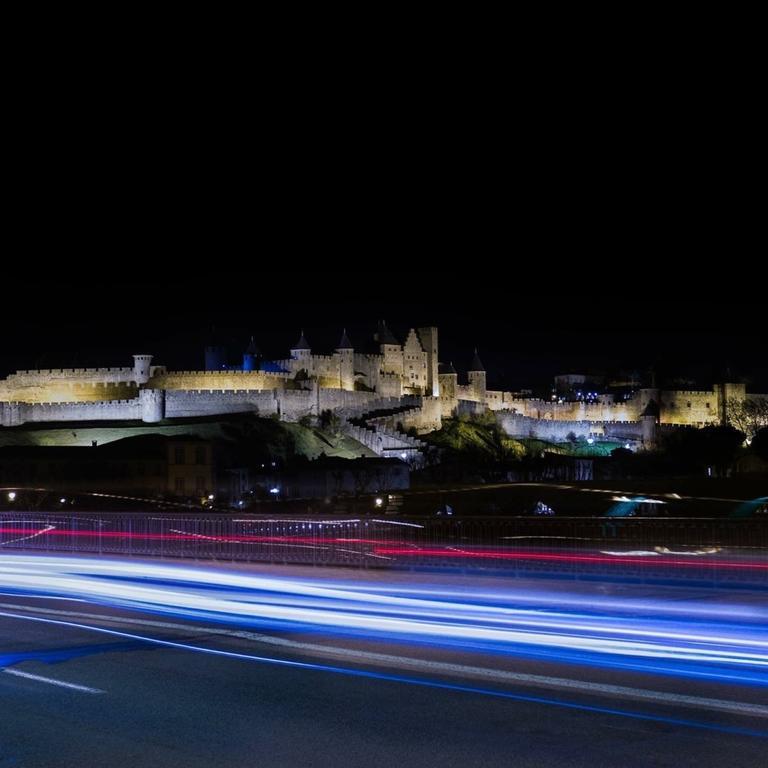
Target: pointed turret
447	368
476	376
384	335
345	343
649	425
302	344
251	356
477	365
346	356
448	381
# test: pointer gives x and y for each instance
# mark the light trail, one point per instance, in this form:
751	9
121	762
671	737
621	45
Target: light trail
491	554
179	535
310	666
555	625
391	549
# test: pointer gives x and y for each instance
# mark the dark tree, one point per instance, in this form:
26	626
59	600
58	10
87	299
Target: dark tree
760	443
715	446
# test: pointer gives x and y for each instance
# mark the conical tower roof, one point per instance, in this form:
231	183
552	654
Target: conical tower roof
345	343
302	343
477	365
384	335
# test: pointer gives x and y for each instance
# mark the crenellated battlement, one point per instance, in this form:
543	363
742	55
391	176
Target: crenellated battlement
234	372
58	372
346	382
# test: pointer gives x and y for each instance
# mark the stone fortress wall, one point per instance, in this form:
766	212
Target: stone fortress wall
395	387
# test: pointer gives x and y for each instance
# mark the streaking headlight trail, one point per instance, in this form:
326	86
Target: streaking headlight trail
724	642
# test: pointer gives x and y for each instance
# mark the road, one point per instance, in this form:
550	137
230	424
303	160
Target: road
127	663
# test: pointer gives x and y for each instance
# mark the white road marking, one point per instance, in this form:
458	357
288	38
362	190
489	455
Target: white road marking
433	667
51	681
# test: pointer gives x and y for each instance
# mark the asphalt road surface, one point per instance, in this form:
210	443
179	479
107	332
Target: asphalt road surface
86	680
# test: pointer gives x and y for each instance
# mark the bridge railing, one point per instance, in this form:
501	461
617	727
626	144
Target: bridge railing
709	550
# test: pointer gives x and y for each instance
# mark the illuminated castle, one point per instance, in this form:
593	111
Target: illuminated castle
382	394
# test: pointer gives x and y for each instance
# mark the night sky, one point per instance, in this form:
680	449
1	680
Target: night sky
526	329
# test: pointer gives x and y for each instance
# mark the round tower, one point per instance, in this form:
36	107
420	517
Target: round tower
730	395
152	404
649	425
141	368
302	352
390	349
476	376
346	353
251	357
449	380
11	414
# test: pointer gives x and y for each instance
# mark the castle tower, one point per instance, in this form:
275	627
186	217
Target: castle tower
141	368
428	337
301	352
391	351
449	380
649	425
647	395
729	394
152	403
251	357
476	376
346	353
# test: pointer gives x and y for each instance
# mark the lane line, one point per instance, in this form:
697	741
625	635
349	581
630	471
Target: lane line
51	681
435	667
737	730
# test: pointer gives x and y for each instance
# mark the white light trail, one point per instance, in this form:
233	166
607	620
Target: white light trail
512	621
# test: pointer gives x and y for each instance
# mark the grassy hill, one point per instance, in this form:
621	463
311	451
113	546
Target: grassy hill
482	439
275	438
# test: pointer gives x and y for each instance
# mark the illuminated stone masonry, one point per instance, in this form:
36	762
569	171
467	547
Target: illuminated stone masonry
381	392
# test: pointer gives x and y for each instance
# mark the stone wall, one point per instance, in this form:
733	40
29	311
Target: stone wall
218	380
13	414
692	408
207	402
68	391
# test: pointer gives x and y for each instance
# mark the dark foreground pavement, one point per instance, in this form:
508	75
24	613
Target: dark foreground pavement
141	704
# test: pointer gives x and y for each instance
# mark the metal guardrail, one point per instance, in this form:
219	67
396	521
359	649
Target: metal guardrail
725	550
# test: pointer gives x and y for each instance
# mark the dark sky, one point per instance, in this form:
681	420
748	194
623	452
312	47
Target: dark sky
527	326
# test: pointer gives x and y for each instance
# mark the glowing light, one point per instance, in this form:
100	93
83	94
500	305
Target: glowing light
716	641
397	678
454	552
379	501
211	497
590	440
274	490
11	495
